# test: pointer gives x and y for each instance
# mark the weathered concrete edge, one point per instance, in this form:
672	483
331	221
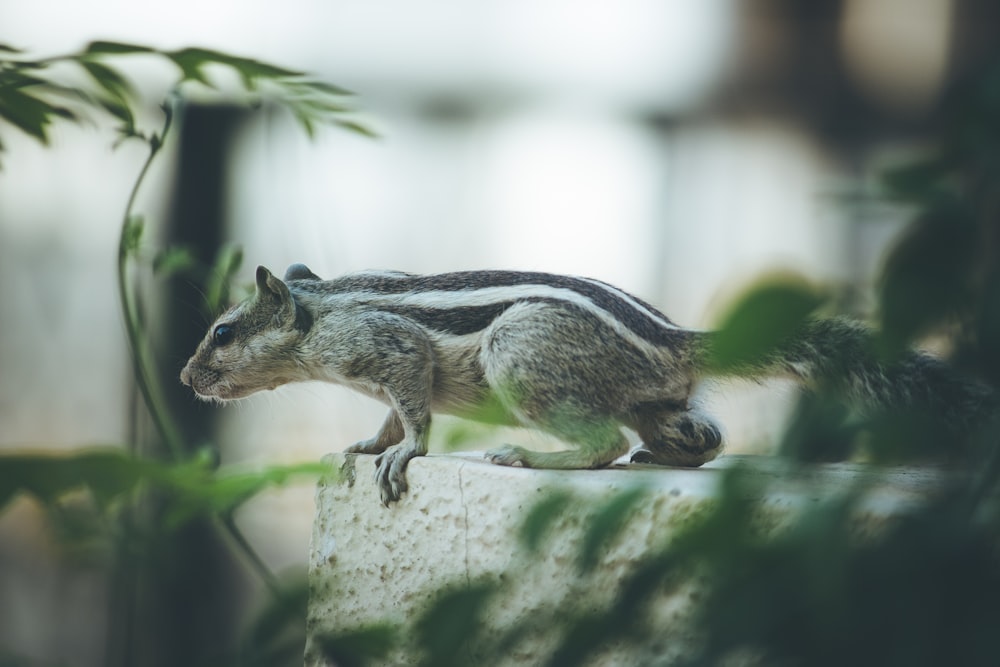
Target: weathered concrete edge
461	517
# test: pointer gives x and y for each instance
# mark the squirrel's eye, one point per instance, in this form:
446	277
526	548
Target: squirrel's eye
223	335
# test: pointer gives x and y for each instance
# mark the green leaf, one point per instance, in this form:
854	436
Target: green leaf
321	87
316	105
29	113
107	473
451	623
220	279
15	79
173	260
251	71
277	634
287	607
818	430
357	128
305	122
65	114
988	327
198	490
191	62
313	103
110	474
115	48
109	79
606	525
245	66
192	487
586	634
542	517
132	234
360	647
121	111
763	319
916	180
926	278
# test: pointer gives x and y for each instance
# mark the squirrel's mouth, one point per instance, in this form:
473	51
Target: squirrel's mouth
209	387
220	391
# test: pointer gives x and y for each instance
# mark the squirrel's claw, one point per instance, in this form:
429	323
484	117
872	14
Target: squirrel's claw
390	472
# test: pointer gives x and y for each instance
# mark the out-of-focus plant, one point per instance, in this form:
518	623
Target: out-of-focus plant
32	99
92	495
918	589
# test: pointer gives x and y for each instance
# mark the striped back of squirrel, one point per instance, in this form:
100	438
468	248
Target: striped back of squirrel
466	302
835	353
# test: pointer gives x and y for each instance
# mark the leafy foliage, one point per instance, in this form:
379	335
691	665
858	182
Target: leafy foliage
539	519
356	648
765	317
277	634
833	585
32	100
920	591
111	476
96	496
452	626
606	524
945	268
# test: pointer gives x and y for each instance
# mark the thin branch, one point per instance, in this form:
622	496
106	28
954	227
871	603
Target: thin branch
138	345
257	564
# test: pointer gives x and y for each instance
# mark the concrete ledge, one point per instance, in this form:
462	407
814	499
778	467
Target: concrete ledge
461	523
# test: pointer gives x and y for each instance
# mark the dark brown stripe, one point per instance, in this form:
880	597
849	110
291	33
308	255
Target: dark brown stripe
467	319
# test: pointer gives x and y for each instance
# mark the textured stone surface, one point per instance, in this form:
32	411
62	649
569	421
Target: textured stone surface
461	522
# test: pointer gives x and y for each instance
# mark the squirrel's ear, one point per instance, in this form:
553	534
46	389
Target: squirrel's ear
300	272
270	288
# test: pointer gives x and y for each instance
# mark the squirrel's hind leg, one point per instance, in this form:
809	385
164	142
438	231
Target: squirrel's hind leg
675	437
551	368
597	443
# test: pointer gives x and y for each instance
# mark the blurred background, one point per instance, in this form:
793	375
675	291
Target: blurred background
676	149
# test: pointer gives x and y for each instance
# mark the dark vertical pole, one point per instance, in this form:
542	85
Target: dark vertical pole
193	591
196	222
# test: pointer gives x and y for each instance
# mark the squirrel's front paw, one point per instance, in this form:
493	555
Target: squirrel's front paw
508	455
390	471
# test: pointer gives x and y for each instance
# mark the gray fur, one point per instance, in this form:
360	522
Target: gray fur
571	356
839	354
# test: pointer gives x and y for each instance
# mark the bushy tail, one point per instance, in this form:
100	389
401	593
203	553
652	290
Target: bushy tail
839	355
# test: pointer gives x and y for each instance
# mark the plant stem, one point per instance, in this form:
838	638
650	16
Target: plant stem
145	370
257	563
142	362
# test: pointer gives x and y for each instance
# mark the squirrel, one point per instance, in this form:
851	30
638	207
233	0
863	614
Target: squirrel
571	356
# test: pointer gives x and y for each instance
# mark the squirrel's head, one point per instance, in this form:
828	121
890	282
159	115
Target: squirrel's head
252	346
